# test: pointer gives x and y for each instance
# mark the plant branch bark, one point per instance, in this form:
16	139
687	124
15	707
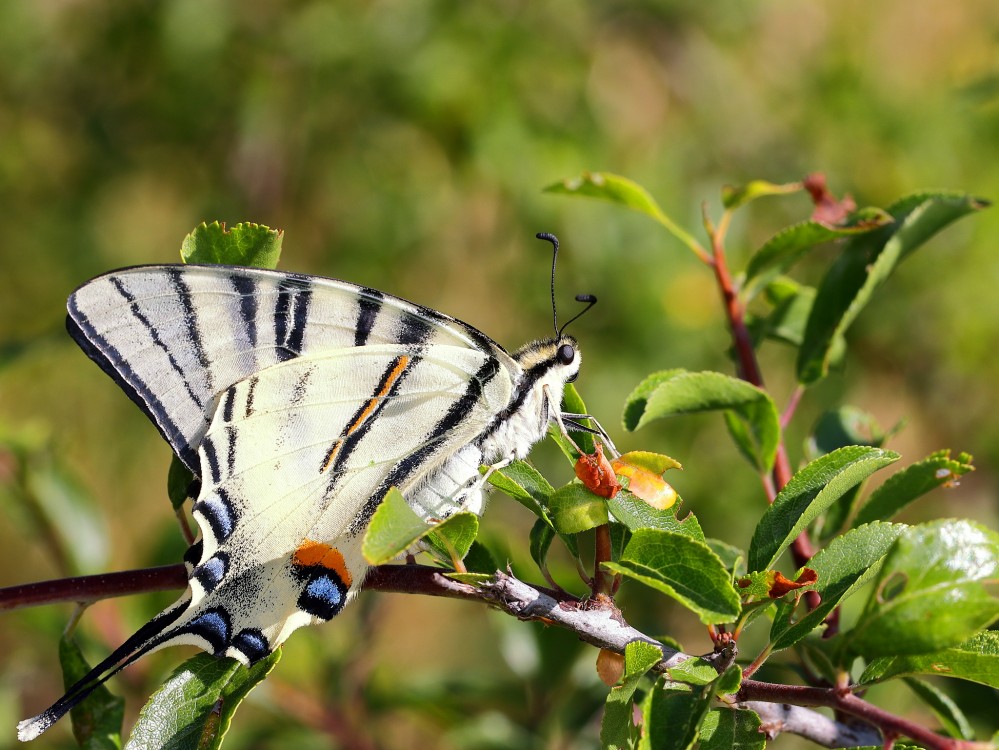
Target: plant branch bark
783	708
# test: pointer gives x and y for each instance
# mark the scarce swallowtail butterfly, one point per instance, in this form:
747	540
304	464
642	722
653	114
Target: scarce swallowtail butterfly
298	402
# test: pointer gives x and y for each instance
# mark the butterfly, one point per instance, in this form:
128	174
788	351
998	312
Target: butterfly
298	402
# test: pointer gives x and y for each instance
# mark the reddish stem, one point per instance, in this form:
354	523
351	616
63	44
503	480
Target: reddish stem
851	705
749	370
602	582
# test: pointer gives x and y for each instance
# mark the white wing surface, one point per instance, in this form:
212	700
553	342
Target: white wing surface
175	337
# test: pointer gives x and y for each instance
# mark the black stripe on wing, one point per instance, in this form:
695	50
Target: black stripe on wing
369	304
291	315
458	412
111	361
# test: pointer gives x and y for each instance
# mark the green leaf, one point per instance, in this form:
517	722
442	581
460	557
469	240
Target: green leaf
813	489
624	192
937	587
394	528
180	479
847	425
638	514
455	534
750	411
574	509
733	558
243	245
733	197
542	535
696	671
683	568
672	714
866	262
913	481
843	568
790	245
194	707
617	728
572	403
949	713
524	483
976	660
97	720
479	559
786	321
728	729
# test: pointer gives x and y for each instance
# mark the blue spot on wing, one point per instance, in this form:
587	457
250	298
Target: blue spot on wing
252	643
213	626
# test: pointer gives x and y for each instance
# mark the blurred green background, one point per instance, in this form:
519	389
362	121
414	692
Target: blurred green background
403	144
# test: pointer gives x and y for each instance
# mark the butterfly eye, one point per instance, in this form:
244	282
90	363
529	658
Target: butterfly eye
566	353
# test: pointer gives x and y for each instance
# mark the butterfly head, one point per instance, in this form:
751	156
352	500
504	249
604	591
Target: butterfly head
553	362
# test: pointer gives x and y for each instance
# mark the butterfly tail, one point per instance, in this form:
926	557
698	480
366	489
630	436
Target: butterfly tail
153	634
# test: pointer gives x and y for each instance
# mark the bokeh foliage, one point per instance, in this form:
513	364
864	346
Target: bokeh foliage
403	145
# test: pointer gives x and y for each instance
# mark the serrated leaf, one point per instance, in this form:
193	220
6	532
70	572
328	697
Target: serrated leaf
575	509
902	488
682	568
728	729
937	587
394	528
977	660
624	192
97	720
637	514
454	535
194	707
671	392
735	196
866	262
672	714
524	483
791	244
809	492
244	244
843	567
694	671
617	728
949	713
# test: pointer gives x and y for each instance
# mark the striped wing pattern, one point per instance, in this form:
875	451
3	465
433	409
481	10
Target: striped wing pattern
298	401
175	337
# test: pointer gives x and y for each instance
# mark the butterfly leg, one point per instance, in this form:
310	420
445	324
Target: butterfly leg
561	419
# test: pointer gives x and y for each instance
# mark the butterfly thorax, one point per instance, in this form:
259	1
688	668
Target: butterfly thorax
546	366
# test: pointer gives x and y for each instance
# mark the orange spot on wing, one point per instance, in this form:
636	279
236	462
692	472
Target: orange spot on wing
400	366
310	553
334	449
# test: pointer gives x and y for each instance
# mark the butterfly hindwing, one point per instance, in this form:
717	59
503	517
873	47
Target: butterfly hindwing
295	460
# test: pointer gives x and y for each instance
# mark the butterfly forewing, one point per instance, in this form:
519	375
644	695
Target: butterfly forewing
175	337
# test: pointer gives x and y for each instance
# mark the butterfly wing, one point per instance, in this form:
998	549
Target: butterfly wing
175	337
295	460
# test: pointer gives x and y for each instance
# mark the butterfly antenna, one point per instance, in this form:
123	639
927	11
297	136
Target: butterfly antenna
554	240
589	300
